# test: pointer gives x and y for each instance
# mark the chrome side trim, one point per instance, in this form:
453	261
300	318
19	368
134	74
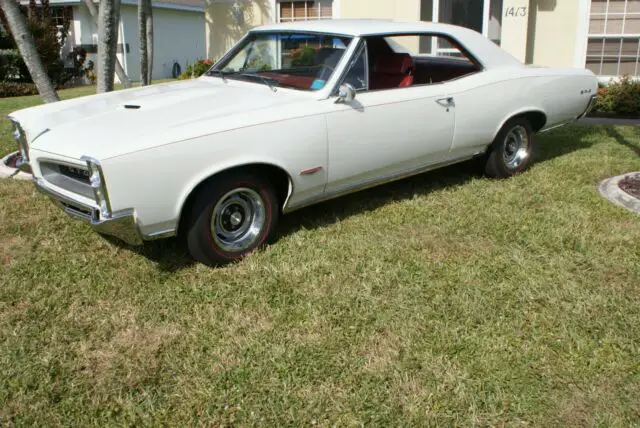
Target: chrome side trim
552	127
592	102
164	233
366	184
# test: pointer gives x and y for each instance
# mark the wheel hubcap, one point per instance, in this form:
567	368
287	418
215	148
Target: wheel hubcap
516	148
238	219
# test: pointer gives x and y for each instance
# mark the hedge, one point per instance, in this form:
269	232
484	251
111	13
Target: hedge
17	89
618	98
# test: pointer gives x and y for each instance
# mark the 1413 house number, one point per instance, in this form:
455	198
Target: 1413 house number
516	11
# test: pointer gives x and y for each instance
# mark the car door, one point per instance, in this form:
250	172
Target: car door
382	134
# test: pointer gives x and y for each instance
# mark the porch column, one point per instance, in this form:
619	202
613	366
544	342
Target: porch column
515	23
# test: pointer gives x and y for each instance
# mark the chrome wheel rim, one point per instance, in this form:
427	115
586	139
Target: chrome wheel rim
516	147
237	220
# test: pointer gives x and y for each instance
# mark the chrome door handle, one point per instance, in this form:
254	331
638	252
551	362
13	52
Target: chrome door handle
446	102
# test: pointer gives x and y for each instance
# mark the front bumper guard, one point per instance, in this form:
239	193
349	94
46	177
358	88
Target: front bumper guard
121	224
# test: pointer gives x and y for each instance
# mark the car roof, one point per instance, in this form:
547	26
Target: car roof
357	27
484	50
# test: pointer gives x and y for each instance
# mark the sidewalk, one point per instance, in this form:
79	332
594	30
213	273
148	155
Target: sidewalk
608	121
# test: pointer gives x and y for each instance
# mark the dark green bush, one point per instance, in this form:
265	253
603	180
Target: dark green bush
17	89
620	97
304	57
12	67
47	40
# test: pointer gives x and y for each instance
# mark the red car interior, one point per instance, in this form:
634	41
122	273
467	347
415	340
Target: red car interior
392	71
290	80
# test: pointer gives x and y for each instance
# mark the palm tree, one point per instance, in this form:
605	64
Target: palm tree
145	25
27	48
108	17
122	75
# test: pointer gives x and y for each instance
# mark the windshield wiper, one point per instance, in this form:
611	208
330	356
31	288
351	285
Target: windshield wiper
222	74
219	73
266	80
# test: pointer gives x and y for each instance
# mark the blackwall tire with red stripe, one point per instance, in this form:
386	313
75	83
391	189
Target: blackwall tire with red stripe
231	216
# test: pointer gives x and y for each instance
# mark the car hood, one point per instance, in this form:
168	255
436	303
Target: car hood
116	123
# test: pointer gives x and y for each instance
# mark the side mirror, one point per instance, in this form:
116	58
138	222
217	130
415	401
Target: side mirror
346	93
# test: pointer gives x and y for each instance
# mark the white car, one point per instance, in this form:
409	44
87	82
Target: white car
292	115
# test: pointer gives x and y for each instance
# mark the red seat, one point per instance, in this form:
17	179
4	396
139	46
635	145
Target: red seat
392	71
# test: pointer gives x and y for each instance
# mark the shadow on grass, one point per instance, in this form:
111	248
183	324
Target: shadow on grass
549	145
171	254
562	141
620	139
335	210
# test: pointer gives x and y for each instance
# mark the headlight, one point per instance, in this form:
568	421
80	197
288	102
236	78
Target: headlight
96	179
23	147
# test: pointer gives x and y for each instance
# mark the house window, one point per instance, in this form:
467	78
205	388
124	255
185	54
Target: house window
57	16
613	45
305	10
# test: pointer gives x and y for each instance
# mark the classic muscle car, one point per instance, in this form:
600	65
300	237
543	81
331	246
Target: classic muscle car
293	114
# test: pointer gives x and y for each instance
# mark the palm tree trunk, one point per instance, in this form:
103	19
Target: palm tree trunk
149	35
109	16
122	75
27	48
145	34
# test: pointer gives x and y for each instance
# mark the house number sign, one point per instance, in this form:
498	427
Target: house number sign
514	12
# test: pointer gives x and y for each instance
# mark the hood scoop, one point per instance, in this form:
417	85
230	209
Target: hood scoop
132	106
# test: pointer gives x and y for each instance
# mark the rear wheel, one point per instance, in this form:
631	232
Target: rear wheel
231	217
511	151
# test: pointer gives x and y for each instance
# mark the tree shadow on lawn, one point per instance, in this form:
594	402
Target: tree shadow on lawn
620	139
171	254
548	146
562	141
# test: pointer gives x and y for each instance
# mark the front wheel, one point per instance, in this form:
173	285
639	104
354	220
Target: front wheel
230	218
511	151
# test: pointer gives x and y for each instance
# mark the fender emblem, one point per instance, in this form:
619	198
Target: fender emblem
310	170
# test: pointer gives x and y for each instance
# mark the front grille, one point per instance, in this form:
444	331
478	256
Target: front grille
81	212
75	179
75	173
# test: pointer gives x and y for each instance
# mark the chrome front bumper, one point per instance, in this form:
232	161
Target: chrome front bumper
121	224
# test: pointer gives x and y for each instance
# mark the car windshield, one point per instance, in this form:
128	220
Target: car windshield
302	61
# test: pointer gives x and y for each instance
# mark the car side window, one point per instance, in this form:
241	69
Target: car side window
421	59
357	74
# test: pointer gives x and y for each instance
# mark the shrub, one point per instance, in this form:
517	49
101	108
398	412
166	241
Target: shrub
48	40
81	67
619	97
17	89
196	69
12	67
304	57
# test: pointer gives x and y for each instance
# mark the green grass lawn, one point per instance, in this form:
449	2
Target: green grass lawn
445	299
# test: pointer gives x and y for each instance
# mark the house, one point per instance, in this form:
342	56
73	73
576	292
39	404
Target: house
178	33
602	35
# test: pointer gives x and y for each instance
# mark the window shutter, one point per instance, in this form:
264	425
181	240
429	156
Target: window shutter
302	10
286	12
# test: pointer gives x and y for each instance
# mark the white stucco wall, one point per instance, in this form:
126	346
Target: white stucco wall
178	36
